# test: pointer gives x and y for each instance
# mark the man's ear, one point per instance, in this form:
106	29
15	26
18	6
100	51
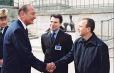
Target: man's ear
22	13
89	29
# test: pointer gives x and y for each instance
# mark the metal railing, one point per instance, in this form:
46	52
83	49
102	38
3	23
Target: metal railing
70	3
45	7
109	28
75	3
107	31
91	3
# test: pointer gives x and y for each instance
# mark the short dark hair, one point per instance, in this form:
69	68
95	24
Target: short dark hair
90	23
59	16
23	8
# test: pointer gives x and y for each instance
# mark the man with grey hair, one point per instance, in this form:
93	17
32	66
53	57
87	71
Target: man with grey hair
17	50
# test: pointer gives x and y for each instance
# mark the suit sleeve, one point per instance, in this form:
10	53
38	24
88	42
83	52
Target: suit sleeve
66	59
23	48
1	43
42	44
69	43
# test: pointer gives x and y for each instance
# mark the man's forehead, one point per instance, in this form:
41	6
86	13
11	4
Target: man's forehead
53	18
30	7
83	22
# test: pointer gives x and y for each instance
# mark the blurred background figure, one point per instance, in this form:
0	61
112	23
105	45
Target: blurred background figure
3	28
71	23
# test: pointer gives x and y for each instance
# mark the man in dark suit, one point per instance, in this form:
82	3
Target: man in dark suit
17	50
56	43
3	28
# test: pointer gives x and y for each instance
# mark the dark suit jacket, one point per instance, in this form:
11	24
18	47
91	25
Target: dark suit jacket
1	41
0	44
64	40
17	51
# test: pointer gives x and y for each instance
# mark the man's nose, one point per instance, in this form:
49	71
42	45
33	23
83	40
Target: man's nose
52	23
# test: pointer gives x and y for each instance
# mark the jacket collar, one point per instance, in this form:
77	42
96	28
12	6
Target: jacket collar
23	24
20	24
91	40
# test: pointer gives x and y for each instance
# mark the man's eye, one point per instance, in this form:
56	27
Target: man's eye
55	22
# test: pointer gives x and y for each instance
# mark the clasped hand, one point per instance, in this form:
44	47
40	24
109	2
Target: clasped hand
50	67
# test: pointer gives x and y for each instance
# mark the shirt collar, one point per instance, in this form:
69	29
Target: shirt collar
55	31
2	29
23	23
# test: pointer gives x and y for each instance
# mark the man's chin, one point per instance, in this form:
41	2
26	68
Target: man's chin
30	23
54	29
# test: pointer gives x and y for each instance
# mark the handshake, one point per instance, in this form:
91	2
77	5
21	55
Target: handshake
50	67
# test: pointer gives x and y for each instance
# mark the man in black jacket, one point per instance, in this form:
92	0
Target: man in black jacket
3	28
56	43
90	54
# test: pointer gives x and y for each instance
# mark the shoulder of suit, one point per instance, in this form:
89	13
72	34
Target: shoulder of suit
15	25
45	33
61	31
66	34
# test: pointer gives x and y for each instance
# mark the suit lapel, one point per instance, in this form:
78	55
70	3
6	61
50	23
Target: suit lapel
49	38
57	38
21	25
5	30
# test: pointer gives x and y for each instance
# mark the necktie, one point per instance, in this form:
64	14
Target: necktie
53	37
